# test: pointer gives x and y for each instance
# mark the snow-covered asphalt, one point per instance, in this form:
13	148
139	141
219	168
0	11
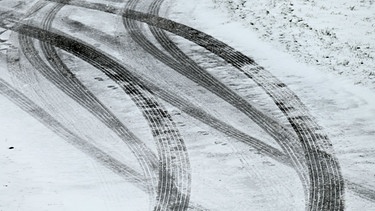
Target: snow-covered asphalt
169	105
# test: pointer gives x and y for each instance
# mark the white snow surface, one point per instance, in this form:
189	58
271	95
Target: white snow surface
345	110
43	172
334	36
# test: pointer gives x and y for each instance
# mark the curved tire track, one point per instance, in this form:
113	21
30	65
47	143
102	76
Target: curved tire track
212	84
73	88
92	151
196	112
63	78
167	198
174	166
326	182
329	165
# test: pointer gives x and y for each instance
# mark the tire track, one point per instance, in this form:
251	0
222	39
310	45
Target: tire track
92	151
232	56
65	80
146	158
175	163
326	187
89	149
212	84
361	191
194	69
90	57
187	63
127	173
167	199
329	166
194	111
187	67
117	167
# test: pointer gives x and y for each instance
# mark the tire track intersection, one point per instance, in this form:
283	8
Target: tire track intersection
307	148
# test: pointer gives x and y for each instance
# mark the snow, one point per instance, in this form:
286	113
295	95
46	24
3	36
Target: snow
336	37
345	110
44	172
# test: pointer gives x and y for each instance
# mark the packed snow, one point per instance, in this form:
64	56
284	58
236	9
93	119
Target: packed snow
323	51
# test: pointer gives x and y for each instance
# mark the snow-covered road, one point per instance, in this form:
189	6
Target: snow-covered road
169	105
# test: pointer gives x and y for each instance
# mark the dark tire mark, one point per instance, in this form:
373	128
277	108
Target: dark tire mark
240	61
222	91
63	78
90	150
361	191
326	182
169	198
174	166
212	84
74	89
228	59
194	111
188	63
